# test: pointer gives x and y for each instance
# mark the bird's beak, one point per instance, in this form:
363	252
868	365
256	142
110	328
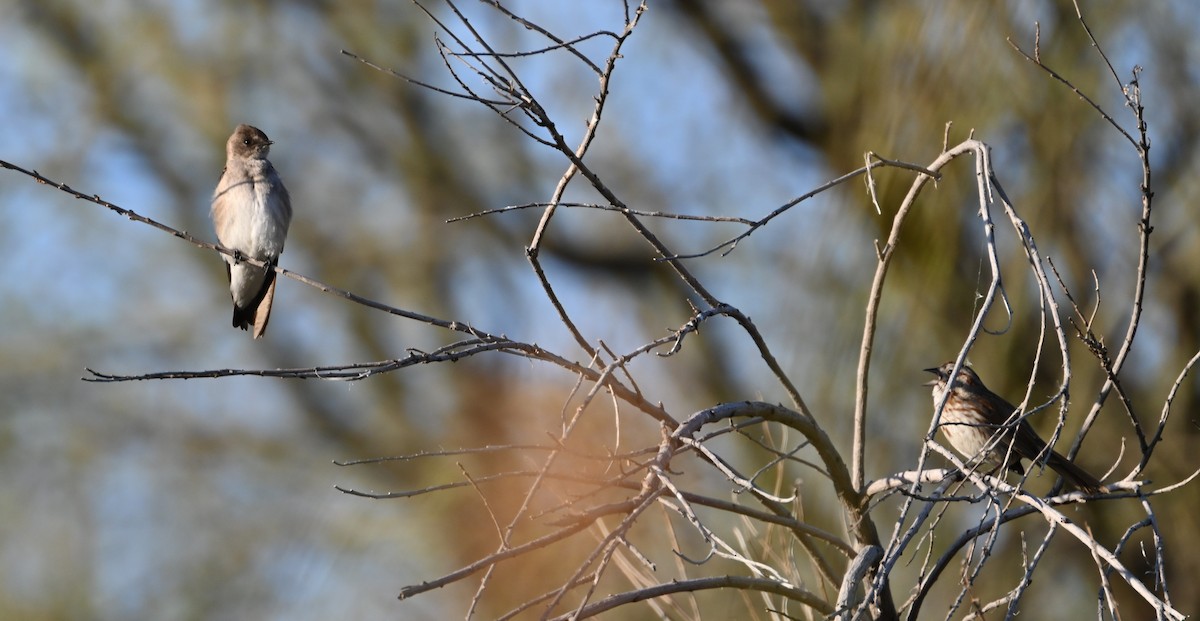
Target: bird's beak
935	380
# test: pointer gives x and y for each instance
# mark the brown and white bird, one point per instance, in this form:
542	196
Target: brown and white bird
251	212
974	415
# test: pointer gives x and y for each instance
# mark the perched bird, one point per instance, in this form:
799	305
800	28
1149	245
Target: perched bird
974	414
251	212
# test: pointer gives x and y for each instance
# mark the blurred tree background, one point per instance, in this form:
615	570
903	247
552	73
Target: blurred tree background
214	498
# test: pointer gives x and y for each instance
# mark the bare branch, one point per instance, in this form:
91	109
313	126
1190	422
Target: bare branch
765	585
730	244
599	207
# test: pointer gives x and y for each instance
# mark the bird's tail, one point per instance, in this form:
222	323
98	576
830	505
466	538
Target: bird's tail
256	314
263	313
1074	474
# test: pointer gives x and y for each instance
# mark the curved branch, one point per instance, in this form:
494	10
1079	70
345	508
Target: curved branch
746	583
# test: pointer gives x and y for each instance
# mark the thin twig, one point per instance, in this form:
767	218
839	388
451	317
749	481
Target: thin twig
601	207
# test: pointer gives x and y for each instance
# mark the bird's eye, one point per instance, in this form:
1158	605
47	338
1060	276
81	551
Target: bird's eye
246	142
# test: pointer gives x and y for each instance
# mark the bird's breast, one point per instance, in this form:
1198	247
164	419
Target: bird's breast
250	216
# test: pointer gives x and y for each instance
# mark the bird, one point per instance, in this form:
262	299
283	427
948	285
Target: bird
974	415
251	212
